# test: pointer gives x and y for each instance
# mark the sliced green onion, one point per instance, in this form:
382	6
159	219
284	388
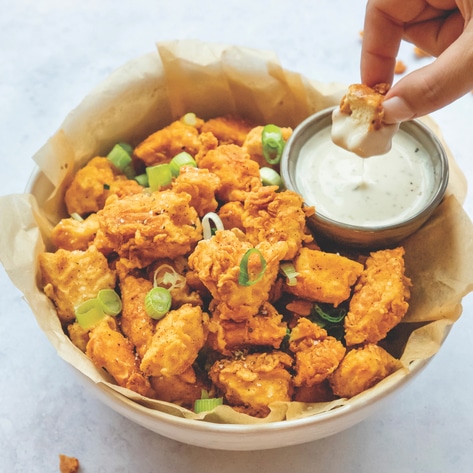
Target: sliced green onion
273	143
158	302
142	179
159	176
190	119
332	315
290	272
167	276
181	159
109	301
206	225
244	277
127	147
203	405
119	157
76	216
270	177
89	314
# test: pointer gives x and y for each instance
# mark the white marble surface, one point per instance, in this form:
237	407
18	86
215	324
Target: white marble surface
52	52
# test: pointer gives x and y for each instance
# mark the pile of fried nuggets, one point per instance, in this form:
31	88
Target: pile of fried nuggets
253	345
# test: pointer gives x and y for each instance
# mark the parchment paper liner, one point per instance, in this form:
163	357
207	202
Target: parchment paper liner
212	79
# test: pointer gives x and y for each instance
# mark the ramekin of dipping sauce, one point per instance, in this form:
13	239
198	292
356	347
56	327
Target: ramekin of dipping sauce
365	202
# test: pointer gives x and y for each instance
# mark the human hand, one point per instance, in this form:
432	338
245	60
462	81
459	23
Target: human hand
442	28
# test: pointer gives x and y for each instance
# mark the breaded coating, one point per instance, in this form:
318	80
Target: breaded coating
147	226
217	261
324	277
380	298
231	215
68	464
109	349
253	144
79	336
201	185
72	277
317	354
71	234
228	129
163	145
275	216
136	324
237	172
254	381
361	369
264	329
181	389
94	183
176	343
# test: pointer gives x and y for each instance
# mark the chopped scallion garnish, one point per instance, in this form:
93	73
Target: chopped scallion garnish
205	403
273	143
158	302
142	179
270	177
109	301
244	277
290	272
120	157
167	276
89	314
206	224
159	176
181	159
190	119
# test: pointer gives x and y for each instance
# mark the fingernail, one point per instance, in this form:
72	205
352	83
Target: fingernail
397	110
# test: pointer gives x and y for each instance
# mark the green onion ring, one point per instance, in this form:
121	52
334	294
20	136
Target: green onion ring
203	405
159	176
181	159
89	314
273	143
109	301
158	302
244	277
206	227
290	272
270	177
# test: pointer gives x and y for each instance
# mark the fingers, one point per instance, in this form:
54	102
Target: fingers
434	86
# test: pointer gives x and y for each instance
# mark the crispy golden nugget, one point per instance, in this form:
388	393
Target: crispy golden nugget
144	227
71	277
321	392
181	389
324	277
201	185
79	336
275	216
94	183
71	234
264	329
231	215
136	324
254	381
317	354
109	349
163	145
176	343
254	147
237	172
228	129
361	369
380	298
217	264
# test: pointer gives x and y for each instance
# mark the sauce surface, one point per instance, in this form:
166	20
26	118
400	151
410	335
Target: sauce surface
373	191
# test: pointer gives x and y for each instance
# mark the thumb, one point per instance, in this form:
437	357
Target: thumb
434	86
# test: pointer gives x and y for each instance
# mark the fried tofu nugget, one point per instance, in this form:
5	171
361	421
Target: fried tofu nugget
176	343
144	227
275	216
317	354
71	234
109	349
361	369
265	329
228	129
163	145
136	324
201	185
217	261
237	172
380	298
253	144
71	277
324	277
252	382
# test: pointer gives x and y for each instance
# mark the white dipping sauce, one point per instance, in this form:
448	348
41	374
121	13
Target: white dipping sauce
373	191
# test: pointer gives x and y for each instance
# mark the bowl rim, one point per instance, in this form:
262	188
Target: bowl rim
433	202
